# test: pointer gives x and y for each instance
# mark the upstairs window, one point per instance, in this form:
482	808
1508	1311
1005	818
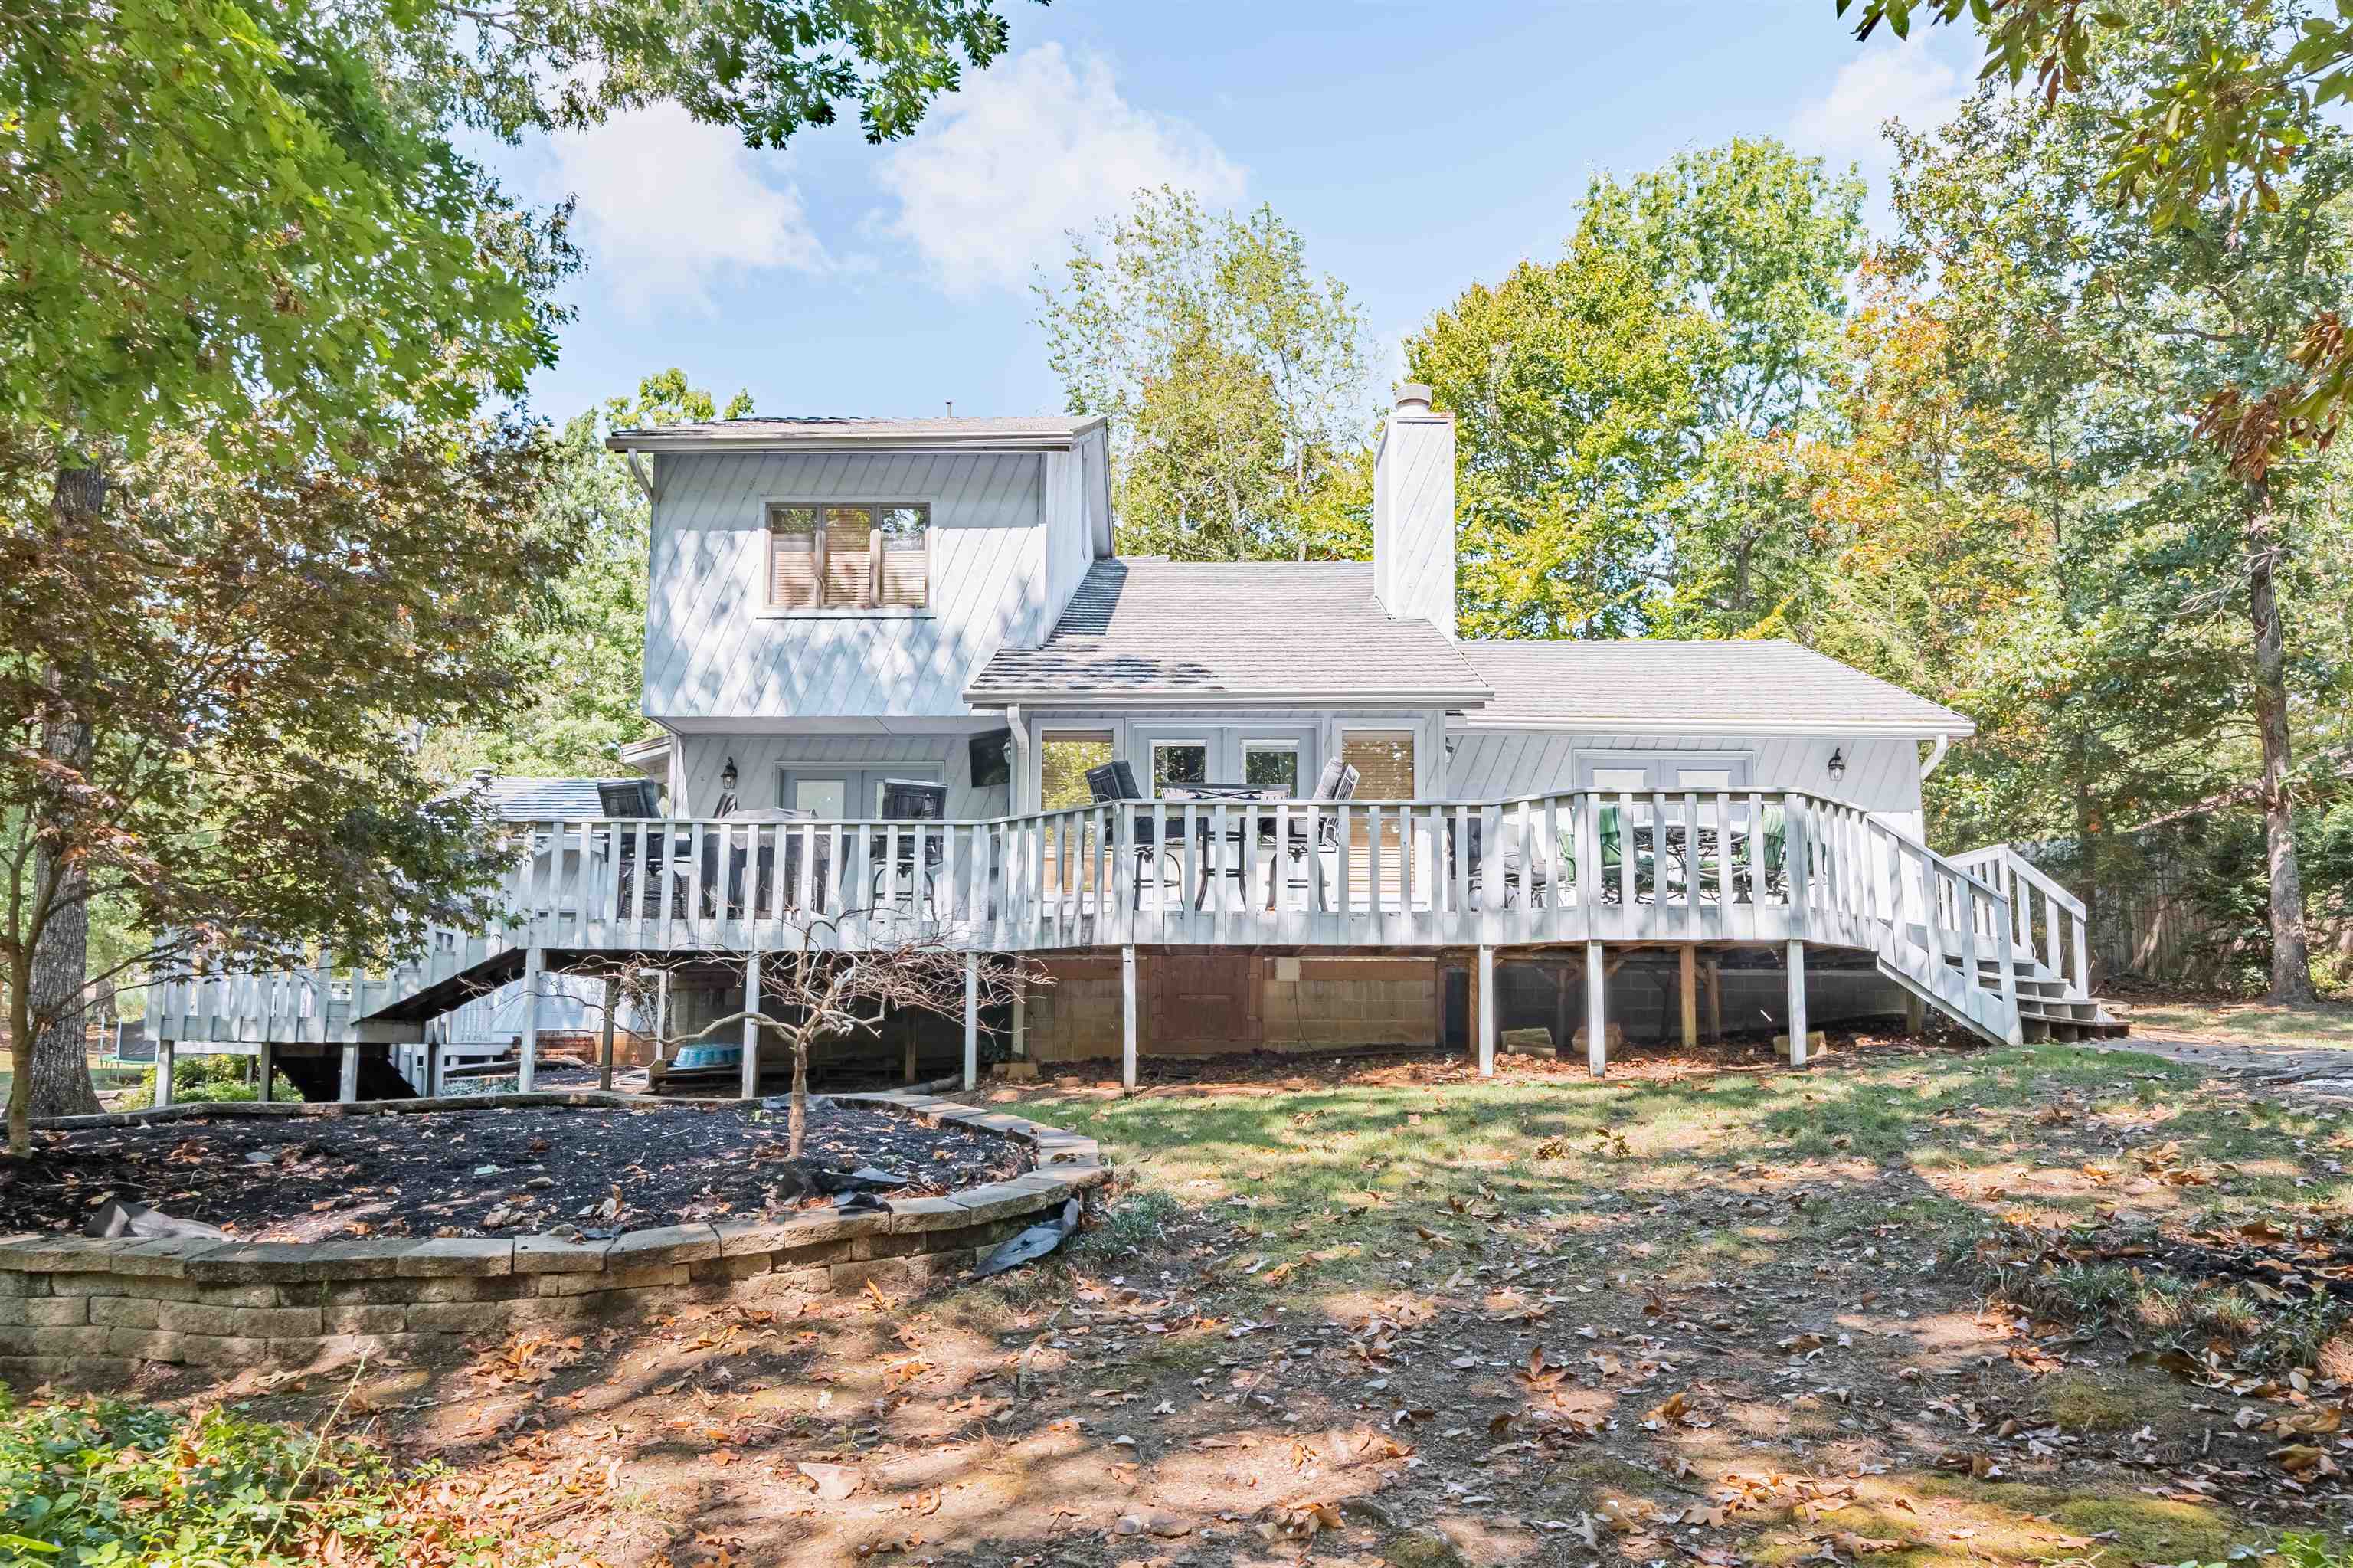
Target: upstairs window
854	557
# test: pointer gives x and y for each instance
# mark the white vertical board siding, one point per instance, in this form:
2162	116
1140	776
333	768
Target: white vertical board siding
1882	775
710	653
1413	518
1070	548
758	757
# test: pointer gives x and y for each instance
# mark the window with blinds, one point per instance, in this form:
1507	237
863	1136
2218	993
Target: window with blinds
853	556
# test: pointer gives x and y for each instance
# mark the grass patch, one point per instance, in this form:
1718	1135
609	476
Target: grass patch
98	1480
2113	1401
2009	1522
2317	1024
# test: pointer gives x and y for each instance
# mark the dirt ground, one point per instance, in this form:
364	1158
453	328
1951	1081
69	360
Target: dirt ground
1388	1313
498	1172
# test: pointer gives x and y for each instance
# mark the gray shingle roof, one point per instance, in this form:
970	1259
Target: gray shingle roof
1650	686
821	430
520	800
1144	628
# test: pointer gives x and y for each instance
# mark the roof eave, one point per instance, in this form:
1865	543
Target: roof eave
1222	697
1957	727
847	441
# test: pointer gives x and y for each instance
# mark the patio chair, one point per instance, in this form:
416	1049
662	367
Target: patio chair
911	801
1517	866
1339	782
1112	783
1608	831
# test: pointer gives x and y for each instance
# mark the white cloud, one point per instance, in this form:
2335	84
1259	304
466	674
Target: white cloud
668	206
1899	82
1028	150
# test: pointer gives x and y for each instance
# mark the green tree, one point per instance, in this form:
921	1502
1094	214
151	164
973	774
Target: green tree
250	652
1574	399
1761	243
1234	377
581	700
2217	116
1606	400
2159	646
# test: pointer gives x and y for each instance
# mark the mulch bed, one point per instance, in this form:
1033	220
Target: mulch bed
512	1171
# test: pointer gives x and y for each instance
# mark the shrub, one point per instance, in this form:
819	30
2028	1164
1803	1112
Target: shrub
89	1482
206	1079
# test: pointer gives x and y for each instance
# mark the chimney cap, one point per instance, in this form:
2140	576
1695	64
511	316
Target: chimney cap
1413	396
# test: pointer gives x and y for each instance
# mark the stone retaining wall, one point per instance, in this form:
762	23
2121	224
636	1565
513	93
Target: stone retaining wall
79	1311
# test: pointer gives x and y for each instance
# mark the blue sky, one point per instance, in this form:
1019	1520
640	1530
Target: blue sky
1417	144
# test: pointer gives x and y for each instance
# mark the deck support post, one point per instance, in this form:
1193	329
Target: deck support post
1689	956
265	1066
534	963
1597	1011
604	1035
750	1083
1486	1010
1916	1014
1020	1020
1716	1000
1127	1018
1797	1004
347	1085
971	1021
434	1051
166	1050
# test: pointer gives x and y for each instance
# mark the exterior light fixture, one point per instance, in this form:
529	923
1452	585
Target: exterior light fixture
1838	765
727	775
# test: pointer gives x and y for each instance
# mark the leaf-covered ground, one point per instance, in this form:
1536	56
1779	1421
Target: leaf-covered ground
1397	1314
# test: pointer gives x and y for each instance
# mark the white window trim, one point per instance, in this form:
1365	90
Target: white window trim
1585	761
763	610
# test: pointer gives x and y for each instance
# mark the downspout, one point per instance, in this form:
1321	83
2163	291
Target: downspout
1935	755
1016	797
645	480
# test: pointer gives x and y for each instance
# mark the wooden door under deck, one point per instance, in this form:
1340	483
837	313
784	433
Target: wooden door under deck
1202	1003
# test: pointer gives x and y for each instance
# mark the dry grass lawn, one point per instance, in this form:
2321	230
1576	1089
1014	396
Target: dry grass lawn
1913	1306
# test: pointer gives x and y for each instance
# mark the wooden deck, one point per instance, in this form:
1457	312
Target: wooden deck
1577	868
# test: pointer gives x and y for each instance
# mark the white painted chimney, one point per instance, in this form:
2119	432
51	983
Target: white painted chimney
1413	511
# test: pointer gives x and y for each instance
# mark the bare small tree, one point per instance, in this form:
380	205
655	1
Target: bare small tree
812	989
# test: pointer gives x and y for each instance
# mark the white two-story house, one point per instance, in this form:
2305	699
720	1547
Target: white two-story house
1247	805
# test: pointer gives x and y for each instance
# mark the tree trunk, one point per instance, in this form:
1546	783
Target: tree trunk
20	1055
797	1119
60	1067
2291	953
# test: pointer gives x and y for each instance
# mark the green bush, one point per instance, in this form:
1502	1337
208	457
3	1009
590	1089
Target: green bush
194	1078
93	1482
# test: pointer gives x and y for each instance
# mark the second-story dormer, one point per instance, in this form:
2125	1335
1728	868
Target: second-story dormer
822	569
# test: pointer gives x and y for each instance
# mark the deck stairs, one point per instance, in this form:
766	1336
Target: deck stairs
2050	947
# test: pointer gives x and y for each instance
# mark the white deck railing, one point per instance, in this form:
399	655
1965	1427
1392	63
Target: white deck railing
1752	865
2048	923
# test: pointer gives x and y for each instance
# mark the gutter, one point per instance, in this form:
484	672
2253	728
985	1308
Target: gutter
1216	697
1621	724
837	443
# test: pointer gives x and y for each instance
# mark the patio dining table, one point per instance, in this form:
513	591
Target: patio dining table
1229	858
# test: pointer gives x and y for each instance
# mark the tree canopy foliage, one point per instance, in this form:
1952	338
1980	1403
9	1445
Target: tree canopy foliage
1234	375
2225	105
579	701
252	655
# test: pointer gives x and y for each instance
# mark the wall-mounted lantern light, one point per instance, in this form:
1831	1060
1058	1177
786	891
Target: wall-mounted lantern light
1838	765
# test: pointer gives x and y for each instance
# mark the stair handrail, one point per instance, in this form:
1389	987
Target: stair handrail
2018	867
